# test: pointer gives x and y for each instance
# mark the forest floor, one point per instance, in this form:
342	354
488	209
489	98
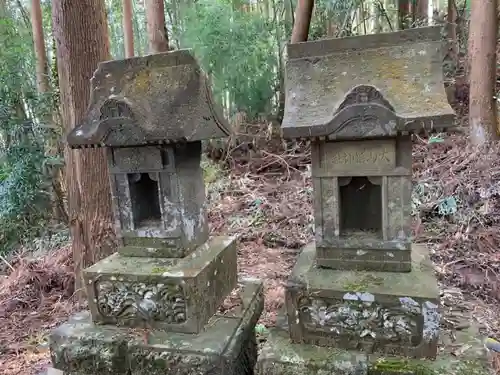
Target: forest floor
266	200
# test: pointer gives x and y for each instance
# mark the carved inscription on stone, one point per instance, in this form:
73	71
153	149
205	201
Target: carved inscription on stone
132	301
364	155
359	316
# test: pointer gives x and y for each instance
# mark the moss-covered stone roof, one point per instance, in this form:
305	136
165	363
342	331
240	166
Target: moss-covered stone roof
159	98
403	68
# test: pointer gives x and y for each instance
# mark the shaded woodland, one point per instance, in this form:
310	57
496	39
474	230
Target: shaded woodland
55	208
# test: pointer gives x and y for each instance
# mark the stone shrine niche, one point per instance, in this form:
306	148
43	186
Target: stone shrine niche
361	192
360	207
145	199
359	105
153	134
160	196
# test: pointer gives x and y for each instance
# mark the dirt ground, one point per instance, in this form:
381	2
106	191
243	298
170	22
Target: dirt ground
266	200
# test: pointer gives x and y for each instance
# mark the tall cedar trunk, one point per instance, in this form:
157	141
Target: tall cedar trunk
422	11
42	78
128	30
155	22
482	50
403	13
81	33
303	14
452	30
43	86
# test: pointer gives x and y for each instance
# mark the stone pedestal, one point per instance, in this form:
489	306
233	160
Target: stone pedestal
175	294
226	345
385	312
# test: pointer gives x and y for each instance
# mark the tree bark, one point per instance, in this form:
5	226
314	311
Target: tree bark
422	11
482	50
42	78
303	14
451	19
155	22
128	30
81	33
403	13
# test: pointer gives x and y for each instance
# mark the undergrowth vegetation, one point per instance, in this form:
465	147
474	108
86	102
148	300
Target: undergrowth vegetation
24	161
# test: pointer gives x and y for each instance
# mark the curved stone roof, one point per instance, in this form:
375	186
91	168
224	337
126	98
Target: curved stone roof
160	98
371	85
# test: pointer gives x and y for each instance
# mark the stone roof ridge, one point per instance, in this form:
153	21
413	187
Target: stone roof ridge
154	99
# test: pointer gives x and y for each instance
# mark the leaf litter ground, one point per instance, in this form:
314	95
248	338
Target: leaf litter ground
266	201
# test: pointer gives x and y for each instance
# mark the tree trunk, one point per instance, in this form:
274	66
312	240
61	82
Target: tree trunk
303	14
482	50
452	30
42	78
128	30
422	11
404	14
81	33
155	22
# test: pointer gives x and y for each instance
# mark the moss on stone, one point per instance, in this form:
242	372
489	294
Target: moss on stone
157	270
405	366
363	283
401	366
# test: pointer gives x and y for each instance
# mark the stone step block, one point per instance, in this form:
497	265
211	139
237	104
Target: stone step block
280	356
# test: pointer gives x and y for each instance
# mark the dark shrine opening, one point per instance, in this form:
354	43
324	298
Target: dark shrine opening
145	198
360	207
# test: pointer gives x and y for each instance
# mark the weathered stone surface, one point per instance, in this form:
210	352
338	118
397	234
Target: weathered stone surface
158	197
366	86
227	345
362	202
386	312
151	99
281	357
179	295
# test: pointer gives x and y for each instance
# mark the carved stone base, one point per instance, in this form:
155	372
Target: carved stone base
280	357
178	295
385	312
226	346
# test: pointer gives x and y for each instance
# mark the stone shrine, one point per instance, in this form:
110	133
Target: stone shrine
361	291
154	304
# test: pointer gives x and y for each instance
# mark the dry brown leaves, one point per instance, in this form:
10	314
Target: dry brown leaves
465	242
33	299
271	215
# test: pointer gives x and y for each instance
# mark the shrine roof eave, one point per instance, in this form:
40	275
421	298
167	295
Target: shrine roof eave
126	132
371	122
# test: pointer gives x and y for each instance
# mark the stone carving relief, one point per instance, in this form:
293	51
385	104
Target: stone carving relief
113	108
364	94
358	315
364	112
133	300
364	125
